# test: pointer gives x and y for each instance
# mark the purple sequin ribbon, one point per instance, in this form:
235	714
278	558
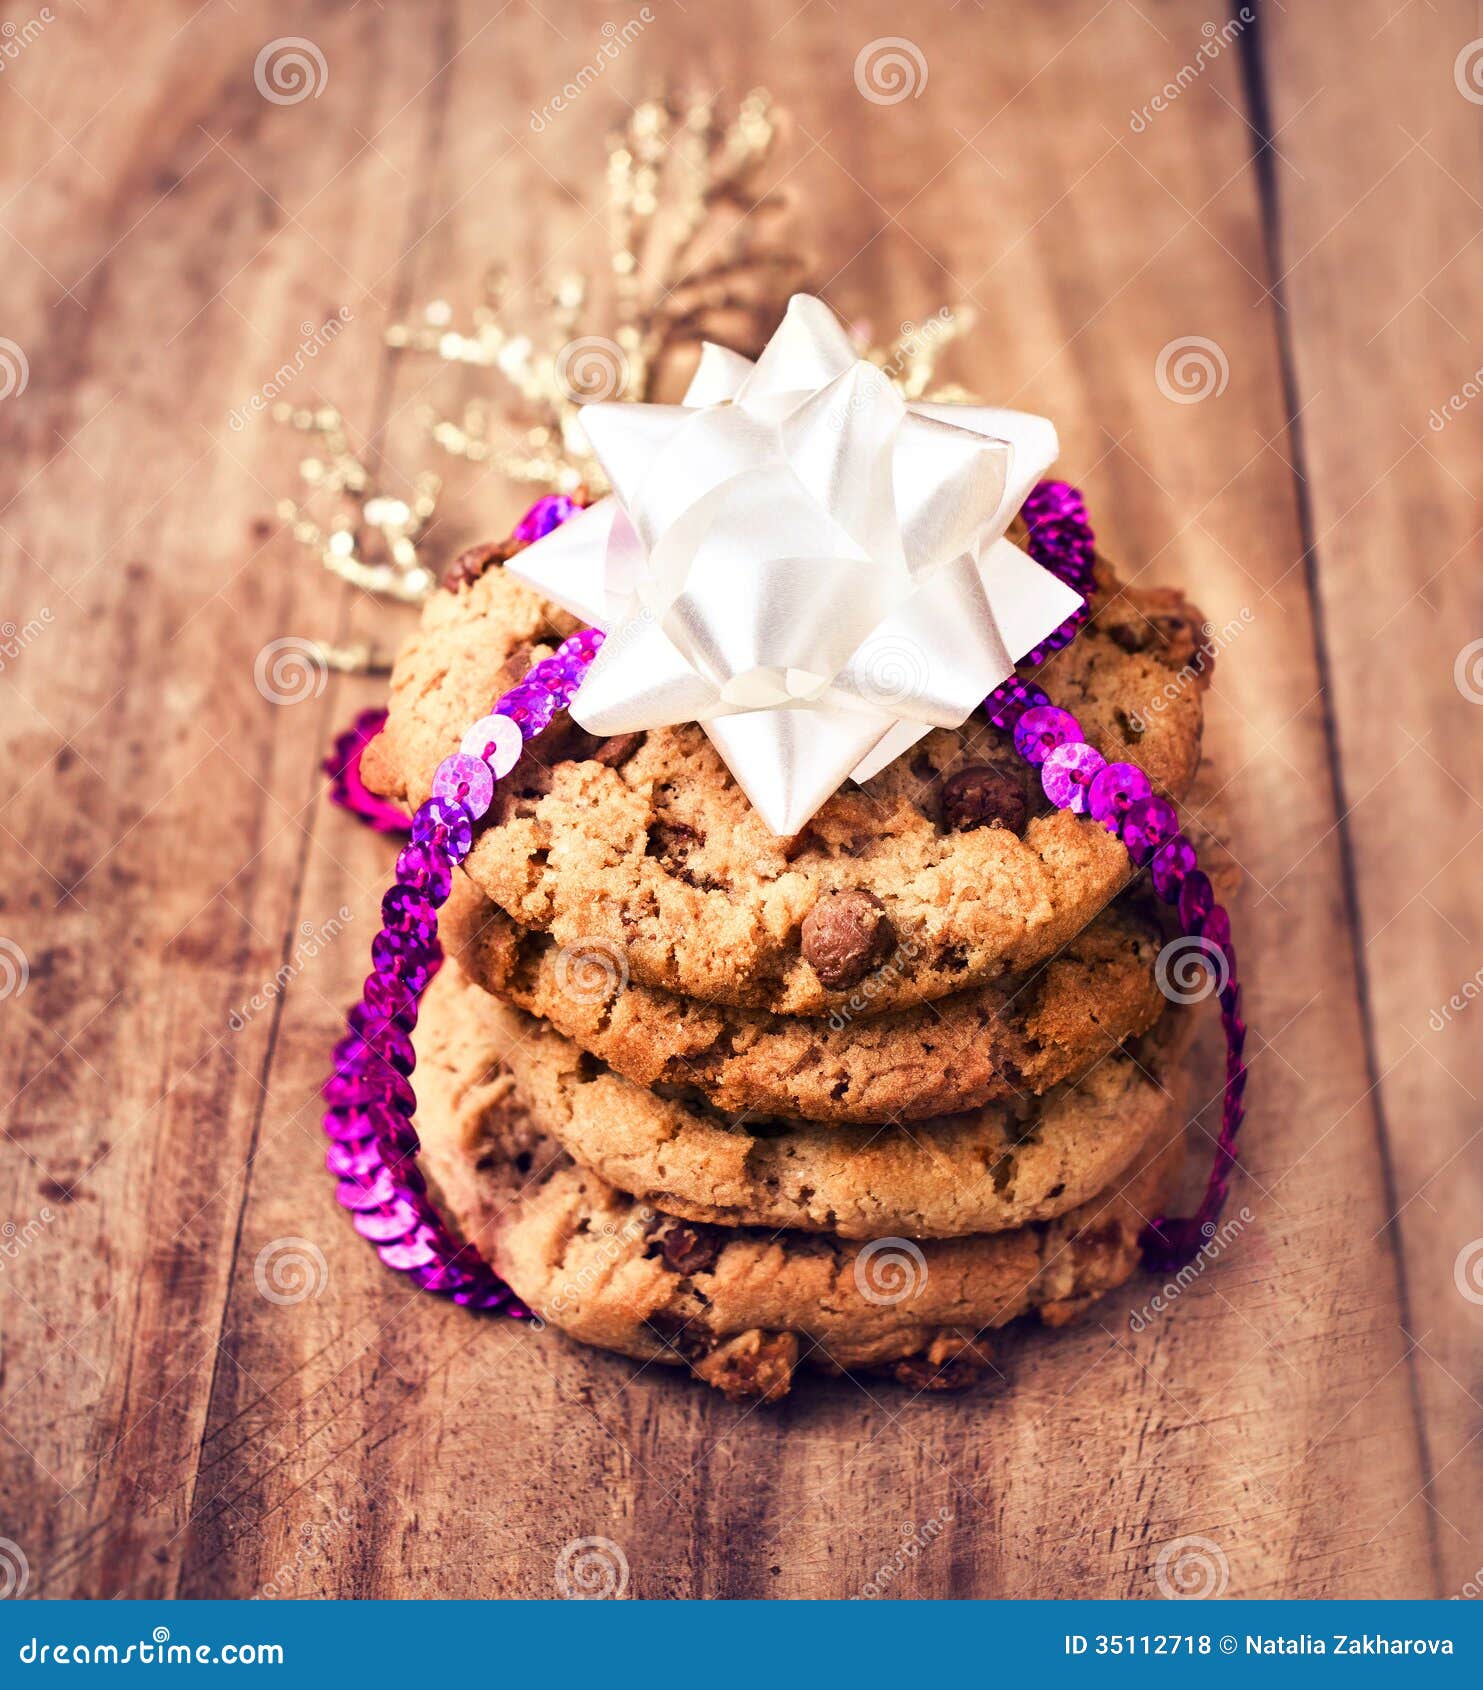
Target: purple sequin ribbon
348	789
373	1145
371	1102
1120	798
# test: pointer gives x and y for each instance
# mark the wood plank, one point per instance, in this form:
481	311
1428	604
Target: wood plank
1271	1412
364	1442
156	807
1375	167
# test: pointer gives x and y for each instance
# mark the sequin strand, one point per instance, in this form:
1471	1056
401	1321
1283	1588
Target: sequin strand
370	1098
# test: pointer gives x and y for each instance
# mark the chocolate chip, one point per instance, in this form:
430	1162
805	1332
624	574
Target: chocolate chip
1131	730
845	935
1180	642
794	845
1110	1236
469	565
614	753
690	1247
671	842
1129	637
684	1337
983	795
1166	627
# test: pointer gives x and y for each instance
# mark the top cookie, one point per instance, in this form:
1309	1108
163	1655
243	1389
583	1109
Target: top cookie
947	869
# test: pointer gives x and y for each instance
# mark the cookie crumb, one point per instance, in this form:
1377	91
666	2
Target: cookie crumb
751	1367
953	1361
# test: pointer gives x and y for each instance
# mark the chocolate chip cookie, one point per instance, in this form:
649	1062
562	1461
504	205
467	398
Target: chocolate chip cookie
982	1170
1001	1040
948	869
741	1307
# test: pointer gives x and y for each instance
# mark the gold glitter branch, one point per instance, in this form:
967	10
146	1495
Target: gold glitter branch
395	570
695	253
698	249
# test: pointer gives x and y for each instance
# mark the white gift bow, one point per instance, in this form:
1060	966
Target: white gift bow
803	562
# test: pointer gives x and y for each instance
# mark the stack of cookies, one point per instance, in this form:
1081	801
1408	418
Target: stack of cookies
853	1099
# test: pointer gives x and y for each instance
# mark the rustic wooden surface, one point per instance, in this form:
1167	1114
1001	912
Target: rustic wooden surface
1308	204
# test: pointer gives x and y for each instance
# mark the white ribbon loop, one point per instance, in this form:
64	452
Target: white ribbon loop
807	351
948	485
802	561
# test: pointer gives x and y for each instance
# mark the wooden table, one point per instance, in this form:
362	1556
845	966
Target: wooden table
1302	195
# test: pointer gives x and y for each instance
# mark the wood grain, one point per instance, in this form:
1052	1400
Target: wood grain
1376	233
1308	1403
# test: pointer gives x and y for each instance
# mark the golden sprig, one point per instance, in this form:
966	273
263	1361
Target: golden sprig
700	247
371	537
694	253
